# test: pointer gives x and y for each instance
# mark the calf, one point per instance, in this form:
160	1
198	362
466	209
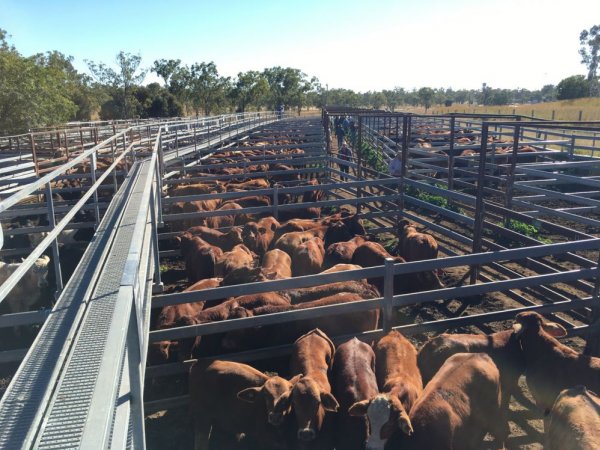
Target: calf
342	252
574	421
459	406
311	397
545	355
28	290
236	398
372	254
307	258
239	257
225	241
161	352
335	325
199	256
503	347
400	383
354	380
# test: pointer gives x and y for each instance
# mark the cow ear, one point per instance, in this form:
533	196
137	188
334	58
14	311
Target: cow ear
359	408
249	395
296	378
329	402
554	329
517	329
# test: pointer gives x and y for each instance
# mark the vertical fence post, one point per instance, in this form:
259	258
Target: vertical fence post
580	115
572	147
451	154
592	346
135	358
276	202
510	176
359	162
93	176
154	193
479	203
34	155
388	295
55	252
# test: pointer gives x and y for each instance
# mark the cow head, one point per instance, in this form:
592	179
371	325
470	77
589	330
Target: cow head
276	393
235	236
310	404
40	271
532	322
385	415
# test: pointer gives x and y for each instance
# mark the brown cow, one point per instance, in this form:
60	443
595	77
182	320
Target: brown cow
236	398
503	347
239	257
225	241
228	221
302	295
415	246
192	207
307	258
342	268
311	397
200	257
545	355
257	238
400	384
277	265
459	406
354	380
160	352
196	189
335	325
290	241
372	254
257	183
342	252
574	421
251	202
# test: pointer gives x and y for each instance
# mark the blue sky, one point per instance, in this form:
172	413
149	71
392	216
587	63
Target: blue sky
360	45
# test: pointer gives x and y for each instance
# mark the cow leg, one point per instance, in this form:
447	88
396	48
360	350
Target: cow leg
201	433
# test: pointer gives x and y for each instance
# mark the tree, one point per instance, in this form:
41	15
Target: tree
33	92
590	56
250	88
287	86
122	82
575	86
548	93
426	96
207	90
166	68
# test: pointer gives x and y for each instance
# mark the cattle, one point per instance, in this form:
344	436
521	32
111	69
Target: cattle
211	344
251	202
161	352
415	246
503	347
342	268
225	241
372	254
342	252
544	354
459	406
191	207
276	265
257	238
335	325
239	256
257	183
196	189
354	380
200	257
399	382
574	421
311	398
236	398
302	295
28	290
227	221
289	241
307	258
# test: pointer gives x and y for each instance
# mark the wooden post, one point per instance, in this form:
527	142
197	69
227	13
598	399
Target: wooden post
451	154
34	155
359	162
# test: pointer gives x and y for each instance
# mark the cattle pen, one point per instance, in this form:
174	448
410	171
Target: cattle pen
514	203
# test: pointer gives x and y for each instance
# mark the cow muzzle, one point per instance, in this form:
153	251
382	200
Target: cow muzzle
306	434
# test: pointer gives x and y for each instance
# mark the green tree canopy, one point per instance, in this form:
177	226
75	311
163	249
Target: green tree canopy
590	56
575	86
426	96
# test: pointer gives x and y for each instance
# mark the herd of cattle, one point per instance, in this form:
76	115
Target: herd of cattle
449	395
